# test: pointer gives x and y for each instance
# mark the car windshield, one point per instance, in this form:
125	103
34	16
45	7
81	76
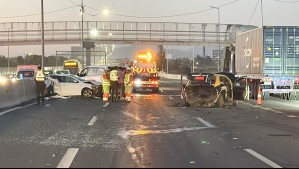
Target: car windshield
77	78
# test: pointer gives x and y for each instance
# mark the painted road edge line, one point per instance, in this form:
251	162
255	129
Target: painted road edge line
171	98
92	121
16	108
262	158
68	158
207	124
7	111
106	105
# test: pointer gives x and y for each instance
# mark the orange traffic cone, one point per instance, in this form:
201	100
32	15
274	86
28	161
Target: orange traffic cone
259	96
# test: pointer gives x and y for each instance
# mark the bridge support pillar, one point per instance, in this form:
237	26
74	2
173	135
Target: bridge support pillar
88	45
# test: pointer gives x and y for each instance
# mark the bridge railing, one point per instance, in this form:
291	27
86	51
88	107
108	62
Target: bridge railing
13	32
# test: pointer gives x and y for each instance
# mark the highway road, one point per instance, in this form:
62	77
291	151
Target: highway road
151	131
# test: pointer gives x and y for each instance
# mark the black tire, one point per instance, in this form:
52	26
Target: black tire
87	93
220	101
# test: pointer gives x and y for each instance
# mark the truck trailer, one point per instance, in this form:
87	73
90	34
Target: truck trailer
269	58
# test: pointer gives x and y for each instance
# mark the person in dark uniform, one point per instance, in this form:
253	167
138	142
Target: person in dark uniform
40	85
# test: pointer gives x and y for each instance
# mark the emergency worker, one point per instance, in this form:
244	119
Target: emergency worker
128	84
114	83
106	85
40	85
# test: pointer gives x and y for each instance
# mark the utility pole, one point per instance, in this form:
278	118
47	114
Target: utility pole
218	35
43	33
193	61
262	12
8	54
82	27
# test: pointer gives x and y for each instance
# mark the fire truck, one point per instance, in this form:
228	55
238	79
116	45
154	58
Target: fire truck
145	72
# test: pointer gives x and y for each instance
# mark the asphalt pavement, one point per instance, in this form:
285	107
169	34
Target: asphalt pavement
154	130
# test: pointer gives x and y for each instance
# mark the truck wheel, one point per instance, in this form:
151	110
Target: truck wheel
220	101
87	93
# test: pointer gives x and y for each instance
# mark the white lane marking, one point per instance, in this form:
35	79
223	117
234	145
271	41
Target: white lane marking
262	158
171	98
29	105
278	112
106	105
131	115
207	124
68	158
292	116
16	108
92	121
7	111
266	108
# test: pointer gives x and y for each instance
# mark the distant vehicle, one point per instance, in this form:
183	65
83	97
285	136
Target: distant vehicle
93	73
26	71
3	78
58	72
71	85
49	70
73	66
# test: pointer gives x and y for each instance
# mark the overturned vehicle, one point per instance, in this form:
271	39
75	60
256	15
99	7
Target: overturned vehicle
211	90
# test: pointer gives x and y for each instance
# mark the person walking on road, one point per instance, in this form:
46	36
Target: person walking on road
121	75
114	83
128	84
106	85
40	85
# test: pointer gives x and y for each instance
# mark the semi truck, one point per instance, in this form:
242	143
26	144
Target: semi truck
269	58
145	72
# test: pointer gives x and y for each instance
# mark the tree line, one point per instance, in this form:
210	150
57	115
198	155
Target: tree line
32	60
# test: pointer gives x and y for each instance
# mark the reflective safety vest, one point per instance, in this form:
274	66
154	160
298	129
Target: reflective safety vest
106	81
127	79
40	77
113	75
151	70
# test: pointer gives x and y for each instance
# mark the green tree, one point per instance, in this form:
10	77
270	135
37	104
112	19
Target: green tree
161	60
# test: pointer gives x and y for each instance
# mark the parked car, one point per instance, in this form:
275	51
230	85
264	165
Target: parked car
71	85
93	73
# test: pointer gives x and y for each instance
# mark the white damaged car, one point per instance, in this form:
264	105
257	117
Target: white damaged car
71	85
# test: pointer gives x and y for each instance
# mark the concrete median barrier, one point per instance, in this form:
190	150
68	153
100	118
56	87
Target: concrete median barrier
15	92
171	76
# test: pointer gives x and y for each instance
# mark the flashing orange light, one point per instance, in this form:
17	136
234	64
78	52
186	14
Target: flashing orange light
148	56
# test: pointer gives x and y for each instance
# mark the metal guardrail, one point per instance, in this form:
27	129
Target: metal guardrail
66	32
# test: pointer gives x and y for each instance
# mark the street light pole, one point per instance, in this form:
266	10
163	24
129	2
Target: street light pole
218	36
193	61
262	11
82	27
8	54
43	33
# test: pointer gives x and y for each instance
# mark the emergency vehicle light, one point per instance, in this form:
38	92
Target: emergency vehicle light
70	64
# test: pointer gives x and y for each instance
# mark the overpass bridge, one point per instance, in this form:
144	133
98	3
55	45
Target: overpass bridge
118	32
